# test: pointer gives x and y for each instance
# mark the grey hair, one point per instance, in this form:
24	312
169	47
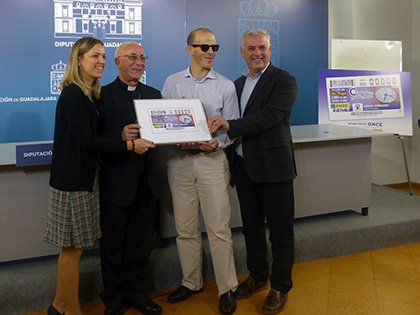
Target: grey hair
255	32
117	51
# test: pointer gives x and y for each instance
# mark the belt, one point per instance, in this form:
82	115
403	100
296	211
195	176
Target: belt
184	152
188	152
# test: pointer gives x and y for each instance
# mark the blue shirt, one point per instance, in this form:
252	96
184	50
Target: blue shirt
216	92
249	86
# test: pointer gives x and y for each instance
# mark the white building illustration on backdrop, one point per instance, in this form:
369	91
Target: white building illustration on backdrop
103	19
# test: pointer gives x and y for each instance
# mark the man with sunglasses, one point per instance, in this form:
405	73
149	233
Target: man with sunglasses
263	169
129	187
199	176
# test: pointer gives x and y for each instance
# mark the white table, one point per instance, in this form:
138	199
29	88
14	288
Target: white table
334	169
334	174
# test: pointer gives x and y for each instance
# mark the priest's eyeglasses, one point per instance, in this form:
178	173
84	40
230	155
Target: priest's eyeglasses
134	57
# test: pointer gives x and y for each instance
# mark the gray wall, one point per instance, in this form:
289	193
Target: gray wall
386	20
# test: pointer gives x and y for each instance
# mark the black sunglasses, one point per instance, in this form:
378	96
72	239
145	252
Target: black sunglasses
205	47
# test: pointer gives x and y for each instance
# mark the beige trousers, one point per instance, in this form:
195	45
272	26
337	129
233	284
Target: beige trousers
197	182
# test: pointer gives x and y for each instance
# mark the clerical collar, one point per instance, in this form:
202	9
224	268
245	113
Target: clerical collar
128	87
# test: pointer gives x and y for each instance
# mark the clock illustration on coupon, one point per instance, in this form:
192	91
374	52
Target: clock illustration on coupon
385	95
185	119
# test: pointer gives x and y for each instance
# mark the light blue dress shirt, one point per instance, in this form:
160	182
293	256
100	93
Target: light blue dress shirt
216	92
249	86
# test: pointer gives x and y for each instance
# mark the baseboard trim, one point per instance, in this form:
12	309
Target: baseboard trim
402	185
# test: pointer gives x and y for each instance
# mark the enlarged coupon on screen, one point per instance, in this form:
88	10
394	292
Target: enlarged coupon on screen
364	97
168	121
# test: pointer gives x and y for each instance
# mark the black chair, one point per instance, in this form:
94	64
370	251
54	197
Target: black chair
419	122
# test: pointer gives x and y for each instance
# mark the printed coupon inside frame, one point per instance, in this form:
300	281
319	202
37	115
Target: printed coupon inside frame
169	121
365	97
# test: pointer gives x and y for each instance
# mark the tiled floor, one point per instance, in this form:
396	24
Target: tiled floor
380	282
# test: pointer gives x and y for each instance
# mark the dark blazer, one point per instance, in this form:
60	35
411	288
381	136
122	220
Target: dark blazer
265	127
120	173
76	143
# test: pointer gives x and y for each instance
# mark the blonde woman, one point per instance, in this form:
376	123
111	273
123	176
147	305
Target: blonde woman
73	218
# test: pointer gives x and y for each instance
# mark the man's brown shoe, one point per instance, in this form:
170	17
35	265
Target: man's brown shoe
248	287
275	302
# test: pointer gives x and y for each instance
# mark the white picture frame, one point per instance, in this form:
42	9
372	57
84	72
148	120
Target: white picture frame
171	121
361	54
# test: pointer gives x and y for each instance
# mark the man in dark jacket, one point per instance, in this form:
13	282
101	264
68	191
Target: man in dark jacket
263	169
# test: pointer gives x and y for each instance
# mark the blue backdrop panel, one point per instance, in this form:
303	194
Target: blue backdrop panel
299	36
37	37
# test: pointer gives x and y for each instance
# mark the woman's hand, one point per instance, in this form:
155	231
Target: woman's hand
142	145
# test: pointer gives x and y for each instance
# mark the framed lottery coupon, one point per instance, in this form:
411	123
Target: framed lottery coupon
169	121
364	97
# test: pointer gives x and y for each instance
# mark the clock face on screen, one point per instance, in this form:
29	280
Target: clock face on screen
386	95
